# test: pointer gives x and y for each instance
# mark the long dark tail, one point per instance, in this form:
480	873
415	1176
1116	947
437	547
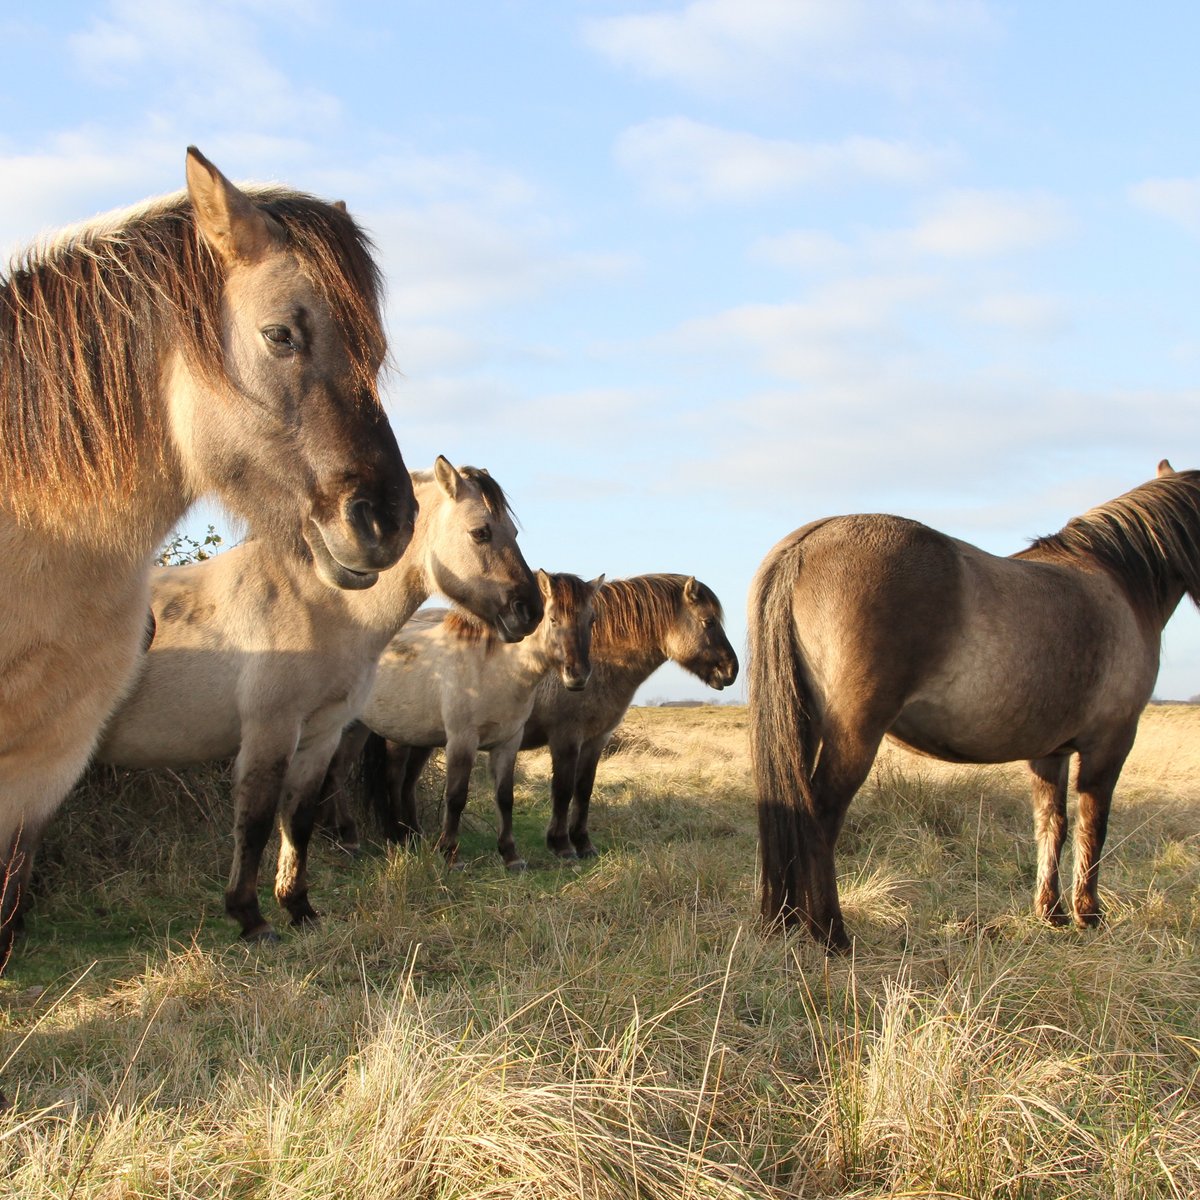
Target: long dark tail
784	737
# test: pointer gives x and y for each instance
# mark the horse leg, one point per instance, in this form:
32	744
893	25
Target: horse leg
404	767
564	759
333	803
298	814
258	779
1098	774
1050	826
460	759
585	780
503	762
17	868
848	749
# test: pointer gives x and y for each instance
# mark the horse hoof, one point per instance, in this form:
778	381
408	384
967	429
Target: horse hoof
517	866
352	852
568	855
589	851
260	937
1092	920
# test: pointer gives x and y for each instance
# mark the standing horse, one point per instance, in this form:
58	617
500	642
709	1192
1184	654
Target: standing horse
218	340
640	623
255	656
862	626
445	681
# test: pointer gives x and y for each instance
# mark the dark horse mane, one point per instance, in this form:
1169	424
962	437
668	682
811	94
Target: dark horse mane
636	612
85	315
1149	539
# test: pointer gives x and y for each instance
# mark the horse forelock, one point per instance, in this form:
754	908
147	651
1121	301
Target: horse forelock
494	498
570	595
1149	538
85	314
639	612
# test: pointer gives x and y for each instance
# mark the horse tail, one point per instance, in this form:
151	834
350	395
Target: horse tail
784	735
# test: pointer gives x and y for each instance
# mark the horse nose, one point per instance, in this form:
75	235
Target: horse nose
382	535
575	680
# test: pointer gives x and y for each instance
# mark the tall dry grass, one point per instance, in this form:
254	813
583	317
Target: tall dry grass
617	1029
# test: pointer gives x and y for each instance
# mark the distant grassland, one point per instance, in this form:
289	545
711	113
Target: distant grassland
618	1028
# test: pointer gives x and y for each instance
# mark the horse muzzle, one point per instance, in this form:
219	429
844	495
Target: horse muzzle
573	679
365	538
723	675
519	618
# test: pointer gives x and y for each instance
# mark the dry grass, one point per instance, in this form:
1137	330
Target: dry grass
618	1029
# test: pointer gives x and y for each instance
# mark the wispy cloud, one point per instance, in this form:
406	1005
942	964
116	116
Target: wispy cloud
761	45
978	223
678	160
1176	200
210	49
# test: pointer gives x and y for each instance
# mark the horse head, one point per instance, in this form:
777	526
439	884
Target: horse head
566	629
697	640
289	427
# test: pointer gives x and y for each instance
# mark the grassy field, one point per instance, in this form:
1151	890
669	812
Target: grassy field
618	1028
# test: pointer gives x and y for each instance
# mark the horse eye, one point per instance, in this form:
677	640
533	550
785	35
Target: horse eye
482	534
279	335
709	622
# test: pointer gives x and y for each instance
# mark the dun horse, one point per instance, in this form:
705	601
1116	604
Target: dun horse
640	623
444	681
217	340
862	626
255	656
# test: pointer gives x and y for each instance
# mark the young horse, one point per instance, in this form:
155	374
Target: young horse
862	626
255	656
640	623
444	681
216	340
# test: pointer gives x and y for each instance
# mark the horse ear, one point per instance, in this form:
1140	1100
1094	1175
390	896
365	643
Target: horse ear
595	584
1164	468
544	585
228	220
447	476
340	205
691	590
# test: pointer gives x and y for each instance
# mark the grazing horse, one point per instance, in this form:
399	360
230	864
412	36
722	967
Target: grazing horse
862	626
640	623
217	340
253	655
445	681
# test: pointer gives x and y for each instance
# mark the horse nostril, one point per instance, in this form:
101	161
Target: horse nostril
365	521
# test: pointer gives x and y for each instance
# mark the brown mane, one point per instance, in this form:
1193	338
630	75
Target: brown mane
494	498
85	318
467	628
1148	538
639	612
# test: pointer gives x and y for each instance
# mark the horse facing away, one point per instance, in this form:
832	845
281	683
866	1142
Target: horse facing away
445	681
862	626
640	623
255	656
218	340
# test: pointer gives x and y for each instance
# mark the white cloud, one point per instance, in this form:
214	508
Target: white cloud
978	224
679	160
1022	312
1177	200
763	45
209	50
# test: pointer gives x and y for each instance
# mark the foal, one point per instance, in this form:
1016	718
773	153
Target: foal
446	681
640	623
253	655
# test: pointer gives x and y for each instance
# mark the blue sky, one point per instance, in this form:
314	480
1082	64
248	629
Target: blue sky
685	276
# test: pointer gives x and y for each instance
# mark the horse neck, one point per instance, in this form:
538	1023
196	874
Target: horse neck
625	656
529	659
